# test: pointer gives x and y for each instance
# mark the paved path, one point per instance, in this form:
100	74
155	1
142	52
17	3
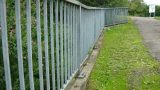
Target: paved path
150	30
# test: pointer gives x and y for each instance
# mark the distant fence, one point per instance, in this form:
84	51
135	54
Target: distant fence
44	43
116	15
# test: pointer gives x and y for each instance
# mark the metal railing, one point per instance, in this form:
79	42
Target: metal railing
44	43
116	15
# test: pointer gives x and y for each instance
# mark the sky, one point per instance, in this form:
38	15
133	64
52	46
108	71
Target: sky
156	2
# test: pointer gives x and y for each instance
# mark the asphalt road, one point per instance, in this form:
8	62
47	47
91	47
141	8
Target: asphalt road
150	30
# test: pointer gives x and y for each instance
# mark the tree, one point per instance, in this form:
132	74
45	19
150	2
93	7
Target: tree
157	10
138	8
105	3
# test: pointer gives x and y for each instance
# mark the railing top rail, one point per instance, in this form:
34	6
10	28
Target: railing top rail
88	7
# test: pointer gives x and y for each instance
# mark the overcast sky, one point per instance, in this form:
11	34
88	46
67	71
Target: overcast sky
156	2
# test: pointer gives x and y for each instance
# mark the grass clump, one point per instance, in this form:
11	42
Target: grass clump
124	63
158	18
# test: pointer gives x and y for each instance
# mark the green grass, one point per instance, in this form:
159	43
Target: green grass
158	18
124	63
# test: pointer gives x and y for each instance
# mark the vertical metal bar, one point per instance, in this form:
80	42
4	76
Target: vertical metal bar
100	19
75	24
57	45
83	27
65	41
40	65
71	38
76	20
104	17
82	34
79	37
127	15
19	45
115	16
61	37
109	16
52	45
77	28
88	30
121	15
74	38
124	15
68	39
92	20
29	44
46	45
84	39
5	45
112	15
85	33
91	29
94	26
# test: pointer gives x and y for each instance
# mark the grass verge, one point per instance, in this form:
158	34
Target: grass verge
158	18
124	63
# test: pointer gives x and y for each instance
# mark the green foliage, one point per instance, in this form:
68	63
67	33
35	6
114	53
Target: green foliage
138	8
124	63
157	10
158	18
12	45
105	3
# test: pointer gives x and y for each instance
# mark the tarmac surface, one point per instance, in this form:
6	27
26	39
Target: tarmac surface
150	30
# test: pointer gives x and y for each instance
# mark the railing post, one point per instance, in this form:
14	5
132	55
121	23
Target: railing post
79	40
114	16
4	35
19	45
65	40
61	44
29	45
94	11
46	45
52	40
57	44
